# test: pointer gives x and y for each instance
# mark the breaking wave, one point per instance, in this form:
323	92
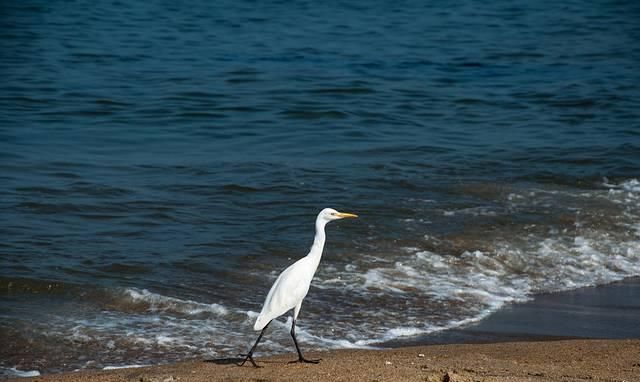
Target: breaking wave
154	302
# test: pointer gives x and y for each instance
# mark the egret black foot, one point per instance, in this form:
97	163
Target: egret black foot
304	360
248	357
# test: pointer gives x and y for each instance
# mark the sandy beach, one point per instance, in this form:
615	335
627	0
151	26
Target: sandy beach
567	360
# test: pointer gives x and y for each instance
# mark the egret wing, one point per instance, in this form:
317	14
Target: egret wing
287	291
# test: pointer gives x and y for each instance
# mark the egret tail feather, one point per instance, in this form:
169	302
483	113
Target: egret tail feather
261	322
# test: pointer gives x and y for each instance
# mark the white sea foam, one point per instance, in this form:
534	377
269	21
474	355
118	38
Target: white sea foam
473	211
631	185
158	302
404	332
13	372
123	367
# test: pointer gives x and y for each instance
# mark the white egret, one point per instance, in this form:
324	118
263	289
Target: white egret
292	286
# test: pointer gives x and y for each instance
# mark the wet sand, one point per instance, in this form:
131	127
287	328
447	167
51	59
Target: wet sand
604	312
566	360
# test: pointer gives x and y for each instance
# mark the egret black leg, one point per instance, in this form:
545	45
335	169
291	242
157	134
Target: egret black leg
249	356
295	342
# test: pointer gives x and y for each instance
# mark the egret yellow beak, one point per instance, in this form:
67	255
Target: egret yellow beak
346	215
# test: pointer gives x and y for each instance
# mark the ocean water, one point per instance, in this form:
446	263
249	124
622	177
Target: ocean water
161	163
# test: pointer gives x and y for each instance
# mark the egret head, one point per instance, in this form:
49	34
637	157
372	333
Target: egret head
329	214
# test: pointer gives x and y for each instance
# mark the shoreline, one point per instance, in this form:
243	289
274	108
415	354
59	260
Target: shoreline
567	360
606	312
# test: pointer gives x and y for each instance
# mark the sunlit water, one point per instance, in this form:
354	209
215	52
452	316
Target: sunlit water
161	163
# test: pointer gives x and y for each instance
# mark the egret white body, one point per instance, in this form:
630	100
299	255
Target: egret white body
292	285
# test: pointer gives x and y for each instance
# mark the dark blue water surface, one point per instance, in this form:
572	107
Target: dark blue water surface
160	163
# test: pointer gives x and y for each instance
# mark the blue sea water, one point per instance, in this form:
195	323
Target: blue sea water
161	162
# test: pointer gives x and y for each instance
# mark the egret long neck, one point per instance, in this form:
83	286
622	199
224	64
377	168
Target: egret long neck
318	242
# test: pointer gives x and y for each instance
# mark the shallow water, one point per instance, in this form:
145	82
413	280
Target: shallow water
160	164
